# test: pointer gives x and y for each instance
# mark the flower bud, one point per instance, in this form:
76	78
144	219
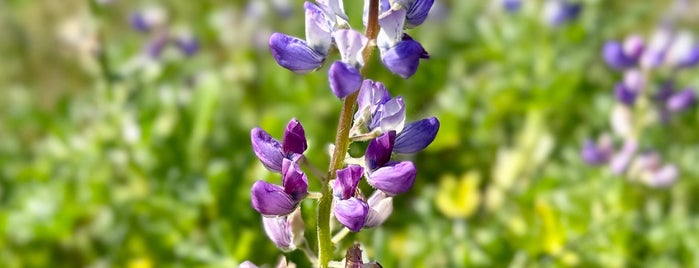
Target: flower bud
294	140
352	213
394	179
344	79
416	136
347	180
404	58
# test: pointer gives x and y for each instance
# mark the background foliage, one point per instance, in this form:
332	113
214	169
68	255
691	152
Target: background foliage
109	158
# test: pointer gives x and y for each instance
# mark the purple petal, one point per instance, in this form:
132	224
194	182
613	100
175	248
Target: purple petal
593	155
404	58
139	22
690	59
294	140
417	12
665	176
634	80
416	136
394	179
558	12
267	149
512	6
615	57
155	46
380	207
347	180
371	94
294	54
389	115
350	44
682	100
188	44
378	152
621	160
634	46
344	79
277	229
624	94
271	200
294	180
318	28
352	213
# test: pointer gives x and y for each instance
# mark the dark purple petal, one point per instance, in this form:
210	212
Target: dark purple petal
404	58
378	152
690	59
294	54
344	79
615	56
294	180
512	6
271	200
416	136
267	149
389	115
380	207
624	94
294	140
394	179
682	100
347	180
417	12
352	213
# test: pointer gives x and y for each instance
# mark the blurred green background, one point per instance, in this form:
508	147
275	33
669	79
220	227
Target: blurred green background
109	158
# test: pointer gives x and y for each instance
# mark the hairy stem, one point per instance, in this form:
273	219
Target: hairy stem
325	245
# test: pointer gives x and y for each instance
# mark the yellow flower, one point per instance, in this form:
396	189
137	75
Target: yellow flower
458	198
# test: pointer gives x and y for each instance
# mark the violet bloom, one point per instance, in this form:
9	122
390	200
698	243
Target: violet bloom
271	152
390	177
274	200
344	76
285	232
597	153
682	100
558	12
683	52
399	52
655	53
147	19
188	44
301	56
616	57
621	160
349	210
624	94
512	6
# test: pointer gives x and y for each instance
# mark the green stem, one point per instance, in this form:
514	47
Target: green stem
325	245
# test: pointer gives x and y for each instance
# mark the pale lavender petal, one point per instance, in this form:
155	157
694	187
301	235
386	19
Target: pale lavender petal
391	32
389	115
352	213
404	58
416	136
380	207
682	100
267	149
277	229
294	140
378	152
384	5
347	180
294	180
621	160
350	44
318	29
395	178
247	264
337	6
344	79
417	12
294	54
371	94
271	200
634	46
665	176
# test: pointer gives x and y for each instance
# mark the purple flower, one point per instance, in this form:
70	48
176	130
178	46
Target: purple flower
271	152
155	46
558	12
512	6
654	55
389	115
380	207
270	199
188	44
301	56
378	152
417	12
394	178
352	213
620	161
404	58
682	100
347	180
371	94
285	232
624	94
597	153
147	19
344	79
616	57
634	46
416	136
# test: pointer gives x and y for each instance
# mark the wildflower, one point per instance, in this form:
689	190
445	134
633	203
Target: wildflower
271	152
286	232
275	200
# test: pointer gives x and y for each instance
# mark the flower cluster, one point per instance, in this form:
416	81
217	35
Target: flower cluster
638	100
153	20
326	25
379	120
